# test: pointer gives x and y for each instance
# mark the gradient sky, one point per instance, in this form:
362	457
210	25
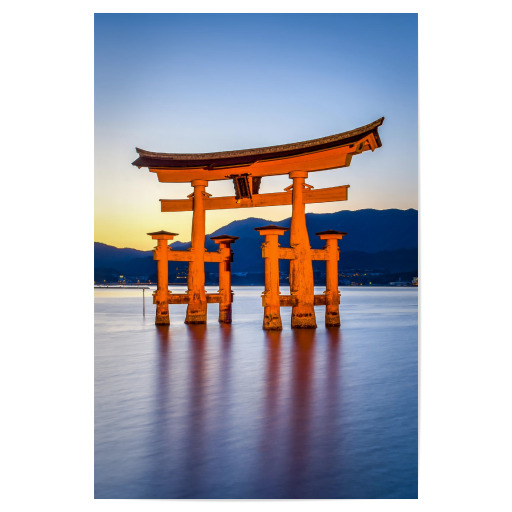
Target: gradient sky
194	83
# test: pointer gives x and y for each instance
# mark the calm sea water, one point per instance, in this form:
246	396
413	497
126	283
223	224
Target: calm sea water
236	412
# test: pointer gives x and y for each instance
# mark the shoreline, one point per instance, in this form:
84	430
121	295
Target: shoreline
151	286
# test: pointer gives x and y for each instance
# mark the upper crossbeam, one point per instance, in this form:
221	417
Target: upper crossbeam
322	195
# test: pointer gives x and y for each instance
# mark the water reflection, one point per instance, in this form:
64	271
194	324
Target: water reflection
300	420
163	334
198	410
231	411
331	391
161	435
298	401
272	429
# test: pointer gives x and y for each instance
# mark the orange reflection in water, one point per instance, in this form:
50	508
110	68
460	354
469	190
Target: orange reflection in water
220	411
299	397
296	395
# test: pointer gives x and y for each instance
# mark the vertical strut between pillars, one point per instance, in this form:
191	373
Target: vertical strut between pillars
332	294
161	255
226	295
197	308
270	297
301	268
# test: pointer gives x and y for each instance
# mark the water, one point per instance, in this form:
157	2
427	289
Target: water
235	412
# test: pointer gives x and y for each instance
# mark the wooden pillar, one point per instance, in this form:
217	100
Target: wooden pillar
332	294
161	255
226	296
196	309
301	268
270	297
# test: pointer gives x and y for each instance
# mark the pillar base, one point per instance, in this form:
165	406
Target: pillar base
224	313
332	316
162	316
303	317
272	320
196	314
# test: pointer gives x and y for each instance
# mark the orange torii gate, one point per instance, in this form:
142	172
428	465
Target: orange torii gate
247	168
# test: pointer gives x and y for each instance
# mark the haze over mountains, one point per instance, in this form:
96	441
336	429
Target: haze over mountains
378	240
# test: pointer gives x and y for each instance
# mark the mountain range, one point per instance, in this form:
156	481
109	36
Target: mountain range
383	241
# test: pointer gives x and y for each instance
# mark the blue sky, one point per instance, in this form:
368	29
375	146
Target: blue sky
215	82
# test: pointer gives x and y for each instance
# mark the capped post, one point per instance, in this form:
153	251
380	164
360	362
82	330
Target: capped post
161	255
226	295
332	294
270	297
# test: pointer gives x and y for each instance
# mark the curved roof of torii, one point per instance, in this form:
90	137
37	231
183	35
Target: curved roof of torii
316	154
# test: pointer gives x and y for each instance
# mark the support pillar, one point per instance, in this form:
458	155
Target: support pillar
196	309
226	295
161	255
332	294
301	268
270	297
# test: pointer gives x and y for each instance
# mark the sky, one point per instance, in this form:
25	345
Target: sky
197	83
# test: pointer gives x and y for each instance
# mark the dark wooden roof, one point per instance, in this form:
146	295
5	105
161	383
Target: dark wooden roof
224	237
163	233
249	156
331	232
272	226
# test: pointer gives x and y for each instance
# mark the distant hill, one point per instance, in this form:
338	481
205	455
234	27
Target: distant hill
105	255
368	230
381	240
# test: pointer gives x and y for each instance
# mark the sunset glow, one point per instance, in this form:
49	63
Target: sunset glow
203	83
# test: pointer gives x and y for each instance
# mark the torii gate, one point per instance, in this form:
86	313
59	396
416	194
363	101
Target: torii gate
247	168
